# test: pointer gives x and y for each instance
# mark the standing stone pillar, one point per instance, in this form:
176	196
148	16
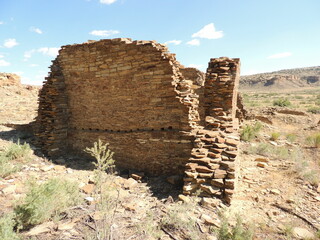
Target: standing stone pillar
211	169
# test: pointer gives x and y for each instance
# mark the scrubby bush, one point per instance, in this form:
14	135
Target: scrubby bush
282	102
314	110
45	201
18	151
250	132
275	136
7	225
237	232
7	167
103	155
268	150
314	140
291	137
12	157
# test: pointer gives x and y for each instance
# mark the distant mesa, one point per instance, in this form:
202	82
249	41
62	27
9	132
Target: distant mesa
284	79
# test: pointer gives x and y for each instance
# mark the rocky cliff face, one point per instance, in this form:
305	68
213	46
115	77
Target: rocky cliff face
9	79
289	78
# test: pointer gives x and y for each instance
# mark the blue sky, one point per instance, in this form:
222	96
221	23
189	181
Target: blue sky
267	35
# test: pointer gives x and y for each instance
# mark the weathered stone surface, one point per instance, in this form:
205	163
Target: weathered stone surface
220	174
217	183
302	233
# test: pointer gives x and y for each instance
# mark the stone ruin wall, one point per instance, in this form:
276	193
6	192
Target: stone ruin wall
137	97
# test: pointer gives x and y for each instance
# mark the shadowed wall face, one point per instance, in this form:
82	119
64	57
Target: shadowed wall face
130	94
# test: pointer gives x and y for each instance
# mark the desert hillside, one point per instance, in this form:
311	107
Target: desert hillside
283	79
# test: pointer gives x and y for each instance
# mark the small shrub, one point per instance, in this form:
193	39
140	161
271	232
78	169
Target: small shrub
176	218
314	140
288	230
291	137
314	110
18	151
45	201
7	225
7	167
275	136
248	132
282	102
105	191
237	232
268	150
103	155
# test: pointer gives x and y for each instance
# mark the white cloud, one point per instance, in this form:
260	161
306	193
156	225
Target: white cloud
1	22
52	52
194	42
28	54
104	33
4	63
280	55
34	65
36	30
1	56
209	32
47	51
9	43
107	1
175	42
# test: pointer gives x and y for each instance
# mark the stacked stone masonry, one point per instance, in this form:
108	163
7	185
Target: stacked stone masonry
136	96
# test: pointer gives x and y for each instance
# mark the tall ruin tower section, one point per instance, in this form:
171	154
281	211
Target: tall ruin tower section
136	96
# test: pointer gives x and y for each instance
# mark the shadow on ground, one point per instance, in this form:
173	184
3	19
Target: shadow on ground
22	133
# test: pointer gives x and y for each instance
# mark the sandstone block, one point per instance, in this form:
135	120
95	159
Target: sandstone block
220	174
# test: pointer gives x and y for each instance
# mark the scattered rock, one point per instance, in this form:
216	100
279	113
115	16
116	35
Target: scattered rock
290	200
130	183
273	143
43	228
89	200
210	237
129	207
275	191
9	189
184	198
262	159
59	168
47	168
210	221
68	225
262	164
91	179
210	202
169	200
302	233
88	188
